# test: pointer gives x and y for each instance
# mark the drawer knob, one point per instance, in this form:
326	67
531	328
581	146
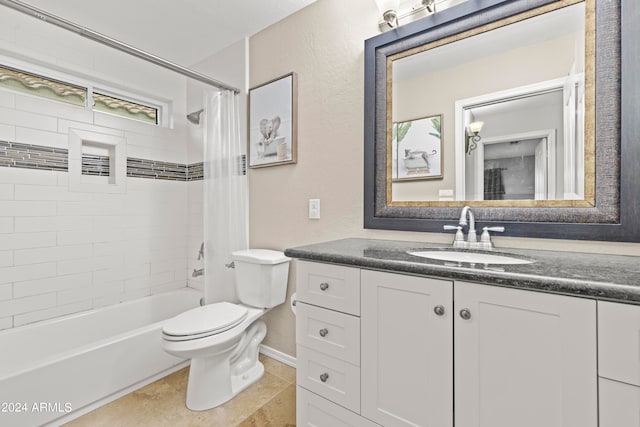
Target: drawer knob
465	314
324	286
323	332
439	310
324	377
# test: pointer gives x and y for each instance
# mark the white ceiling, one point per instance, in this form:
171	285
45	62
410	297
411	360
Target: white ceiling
184	31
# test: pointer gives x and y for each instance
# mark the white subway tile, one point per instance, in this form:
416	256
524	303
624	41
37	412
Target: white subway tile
27	240
6	191
108	262
136	294
136	283
74	237
55	223
115	122
27	272
107	300
27	208
6	291
52	254
57	109
6	224
111	248
7	132
41	137
50	313
161	278
28	176
6	258
103	278
65	125
135	270
6	322
7	99
90	208
74	266
27	304
30	120
168	287
51	284
40	192
70	296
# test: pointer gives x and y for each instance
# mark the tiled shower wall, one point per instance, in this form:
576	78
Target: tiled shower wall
63	251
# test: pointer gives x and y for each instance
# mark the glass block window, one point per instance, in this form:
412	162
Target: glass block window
124	108
34	84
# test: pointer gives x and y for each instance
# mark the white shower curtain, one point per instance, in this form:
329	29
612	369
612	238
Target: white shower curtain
225	195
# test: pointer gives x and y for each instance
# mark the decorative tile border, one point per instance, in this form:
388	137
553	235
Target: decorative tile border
29	156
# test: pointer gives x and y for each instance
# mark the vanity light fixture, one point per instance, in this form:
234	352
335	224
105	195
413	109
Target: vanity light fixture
389	10
473	137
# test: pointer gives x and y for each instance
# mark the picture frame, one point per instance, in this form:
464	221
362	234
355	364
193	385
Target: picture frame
417	149
272	123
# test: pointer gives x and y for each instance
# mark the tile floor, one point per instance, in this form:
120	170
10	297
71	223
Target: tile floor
271	402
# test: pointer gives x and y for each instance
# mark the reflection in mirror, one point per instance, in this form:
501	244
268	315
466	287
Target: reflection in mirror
524	90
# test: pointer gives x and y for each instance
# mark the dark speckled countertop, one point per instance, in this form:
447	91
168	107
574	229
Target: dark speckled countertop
604	277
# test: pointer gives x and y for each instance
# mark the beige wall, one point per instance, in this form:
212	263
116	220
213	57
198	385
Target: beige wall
324	45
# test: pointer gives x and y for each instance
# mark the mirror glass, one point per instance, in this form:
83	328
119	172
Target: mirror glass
498	114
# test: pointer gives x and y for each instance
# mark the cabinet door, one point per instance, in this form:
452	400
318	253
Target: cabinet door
619	342
523	359
619	404
407	350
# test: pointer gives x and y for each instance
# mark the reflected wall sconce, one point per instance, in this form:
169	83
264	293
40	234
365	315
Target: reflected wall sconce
392	17
473	136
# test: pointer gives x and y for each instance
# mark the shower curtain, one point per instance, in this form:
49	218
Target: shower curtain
225	195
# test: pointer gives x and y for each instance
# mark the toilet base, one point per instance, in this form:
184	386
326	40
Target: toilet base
217	379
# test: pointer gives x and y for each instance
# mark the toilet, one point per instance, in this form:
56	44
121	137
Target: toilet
222	339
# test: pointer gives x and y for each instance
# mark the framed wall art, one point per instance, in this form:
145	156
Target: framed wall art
272	122
417	149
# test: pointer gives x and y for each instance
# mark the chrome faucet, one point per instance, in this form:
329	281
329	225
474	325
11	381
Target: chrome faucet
472	239
197	273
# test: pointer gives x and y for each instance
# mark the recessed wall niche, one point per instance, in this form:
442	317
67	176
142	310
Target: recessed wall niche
87	144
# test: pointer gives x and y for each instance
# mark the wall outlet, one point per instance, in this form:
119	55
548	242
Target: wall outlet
314	208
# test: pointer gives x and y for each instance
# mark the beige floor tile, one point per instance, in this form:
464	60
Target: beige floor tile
162	403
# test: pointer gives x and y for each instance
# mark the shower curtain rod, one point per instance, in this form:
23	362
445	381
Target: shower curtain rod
108	41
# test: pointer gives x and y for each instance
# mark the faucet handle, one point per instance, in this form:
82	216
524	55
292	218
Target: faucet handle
485	238
458	241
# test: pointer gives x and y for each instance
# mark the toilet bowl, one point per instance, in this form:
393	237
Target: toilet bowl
222	339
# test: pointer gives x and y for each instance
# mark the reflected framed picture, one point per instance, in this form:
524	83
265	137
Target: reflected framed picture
272	122
417	149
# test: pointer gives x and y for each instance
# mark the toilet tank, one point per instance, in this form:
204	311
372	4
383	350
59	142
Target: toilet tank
261	276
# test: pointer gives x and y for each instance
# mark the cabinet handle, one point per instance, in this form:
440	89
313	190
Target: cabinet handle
324	377
439	310
465	314
324	286
324	332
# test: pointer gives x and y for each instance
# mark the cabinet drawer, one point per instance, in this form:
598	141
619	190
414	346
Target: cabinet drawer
619	404
619	342
331	332
313	410
331	286
332	378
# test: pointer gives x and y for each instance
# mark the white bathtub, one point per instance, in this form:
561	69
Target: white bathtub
56	370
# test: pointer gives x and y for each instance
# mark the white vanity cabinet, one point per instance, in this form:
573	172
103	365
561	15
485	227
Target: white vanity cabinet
525	359
407	350
422	351
619	364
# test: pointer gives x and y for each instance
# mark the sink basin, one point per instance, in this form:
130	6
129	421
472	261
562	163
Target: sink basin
470	257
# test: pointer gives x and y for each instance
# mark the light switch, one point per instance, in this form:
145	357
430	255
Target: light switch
314	208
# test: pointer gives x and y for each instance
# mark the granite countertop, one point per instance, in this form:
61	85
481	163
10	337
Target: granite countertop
603	277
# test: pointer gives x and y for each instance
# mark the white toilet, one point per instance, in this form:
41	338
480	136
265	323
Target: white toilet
222	339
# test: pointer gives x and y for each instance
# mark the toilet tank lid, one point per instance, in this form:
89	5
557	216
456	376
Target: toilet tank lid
260	256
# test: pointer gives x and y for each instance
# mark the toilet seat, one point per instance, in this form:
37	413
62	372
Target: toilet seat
204	321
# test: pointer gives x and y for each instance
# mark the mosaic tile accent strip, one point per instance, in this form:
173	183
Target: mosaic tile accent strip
142	168
95	165
17	155
195	172
29	156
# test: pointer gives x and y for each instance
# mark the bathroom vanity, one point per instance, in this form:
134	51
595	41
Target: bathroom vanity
388	338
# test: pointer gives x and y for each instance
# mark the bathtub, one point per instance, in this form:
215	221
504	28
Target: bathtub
56	370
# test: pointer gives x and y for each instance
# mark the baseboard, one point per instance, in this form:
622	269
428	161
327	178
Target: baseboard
278	355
